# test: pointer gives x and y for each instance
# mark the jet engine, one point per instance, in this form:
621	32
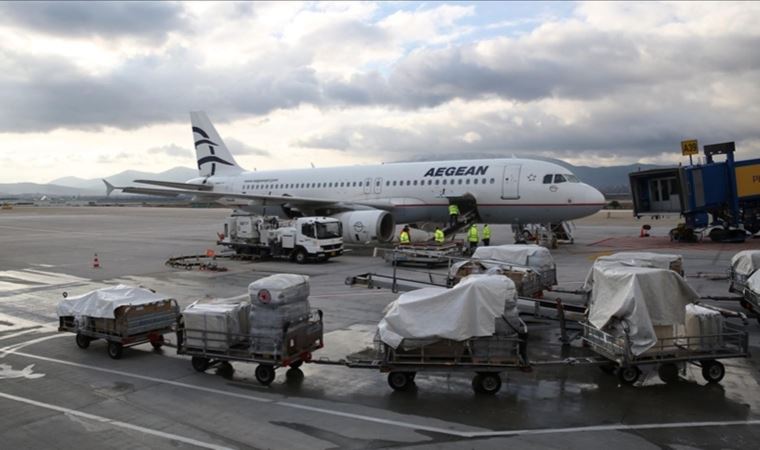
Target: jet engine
366	226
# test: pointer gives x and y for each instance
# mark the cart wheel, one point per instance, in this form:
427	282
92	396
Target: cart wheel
158	342
115	350
296	364
713	371
668	372
628	374
83	341
608	368
400	381
486	383
265	374
200	363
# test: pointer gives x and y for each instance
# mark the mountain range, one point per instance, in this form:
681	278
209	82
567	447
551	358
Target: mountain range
610	179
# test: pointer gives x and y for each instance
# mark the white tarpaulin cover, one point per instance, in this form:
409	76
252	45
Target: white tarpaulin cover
464	311
746	262
102	303
633	259
530	255
638	298
753	283
283	288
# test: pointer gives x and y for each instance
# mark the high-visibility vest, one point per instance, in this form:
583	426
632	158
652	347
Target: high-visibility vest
439	237
473	234
403	237
486	232
453	209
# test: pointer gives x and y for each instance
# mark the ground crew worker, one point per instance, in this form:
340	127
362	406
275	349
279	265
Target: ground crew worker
473	238
453	214
439	237
486	236
403	237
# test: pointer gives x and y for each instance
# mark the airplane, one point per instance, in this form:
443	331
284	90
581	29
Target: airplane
369	200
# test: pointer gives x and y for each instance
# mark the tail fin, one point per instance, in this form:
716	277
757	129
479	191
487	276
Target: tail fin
214	158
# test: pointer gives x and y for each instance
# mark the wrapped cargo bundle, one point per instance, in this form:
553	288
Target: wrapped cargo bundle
469	309
106	309
704	326
527	281
465	268
743	265
277	301
636	259
643	302
534	256
216	325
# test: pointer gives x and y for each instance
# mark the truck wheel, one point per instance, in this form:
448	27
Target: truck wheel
628	374
713	371
83	341
158	342
486	383
200	363
400	381
265	374
115	350
301	257
668	372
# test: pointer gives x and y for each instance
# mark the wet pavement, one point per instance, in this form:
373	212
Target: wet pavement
52	394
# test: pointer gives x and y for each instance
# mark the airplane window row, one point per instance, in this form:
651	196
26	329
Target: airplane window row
560	178
367	183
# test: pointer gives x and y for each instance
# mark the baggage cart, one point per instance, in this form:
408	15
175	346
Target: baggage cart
291	348
669	354
751	302
430	255
486	356
132	325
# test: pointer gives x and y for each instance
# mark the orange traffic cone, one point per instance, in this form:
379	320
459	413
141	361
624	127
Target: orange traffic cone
96	262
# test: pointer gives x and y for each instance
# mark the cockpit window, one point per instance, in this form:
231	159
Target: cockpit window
559	178
548	179
572	178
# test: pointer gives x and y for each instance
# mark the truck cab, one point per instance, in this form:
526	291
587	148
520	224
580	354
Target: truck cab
315	237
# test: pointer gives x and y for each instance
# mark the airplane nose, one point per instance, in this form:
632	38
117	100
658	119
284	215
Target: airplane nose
594	197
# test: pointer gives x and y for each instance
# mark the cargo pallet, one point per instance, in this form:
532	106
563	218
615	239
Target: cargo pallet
295	347
430	255
667	353
133	327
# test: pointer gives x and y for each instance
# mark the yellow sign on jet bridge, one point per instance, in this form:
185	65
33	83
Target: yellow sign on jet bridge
690	147
748	180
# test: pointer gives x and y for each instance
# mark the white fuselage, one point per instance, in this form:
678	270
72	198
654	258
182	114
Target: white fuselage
518	191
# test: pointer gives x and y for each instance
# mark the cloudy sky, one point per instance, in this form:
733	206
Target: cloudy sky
90	89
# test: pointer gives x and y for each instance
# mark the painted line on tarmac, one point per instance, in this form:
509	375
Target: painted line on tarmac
115	423
407	425
11	349
20	333
615	427
285	404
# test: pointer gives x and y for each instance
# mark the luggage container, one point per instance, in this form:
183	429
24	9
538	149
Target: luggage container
743	265
531	256
291	347
123	316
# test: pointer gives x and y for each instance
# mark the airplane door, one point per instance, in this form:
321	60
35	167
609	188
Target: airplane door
510	181
378	185
368	185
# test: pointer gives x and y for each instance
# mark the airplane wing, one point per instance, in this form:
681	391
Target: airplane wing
272	199
172	184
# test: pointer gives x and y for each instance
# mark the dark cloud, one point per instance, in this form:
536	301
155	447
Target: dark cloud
146	20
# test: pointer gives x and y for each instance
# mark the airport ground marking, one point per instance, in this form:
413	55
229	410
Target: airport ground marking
115	423
20	333
407	425
11	349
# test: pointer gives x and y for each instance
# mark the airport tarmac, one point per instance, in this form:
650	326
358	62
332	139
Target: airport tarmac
54	395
